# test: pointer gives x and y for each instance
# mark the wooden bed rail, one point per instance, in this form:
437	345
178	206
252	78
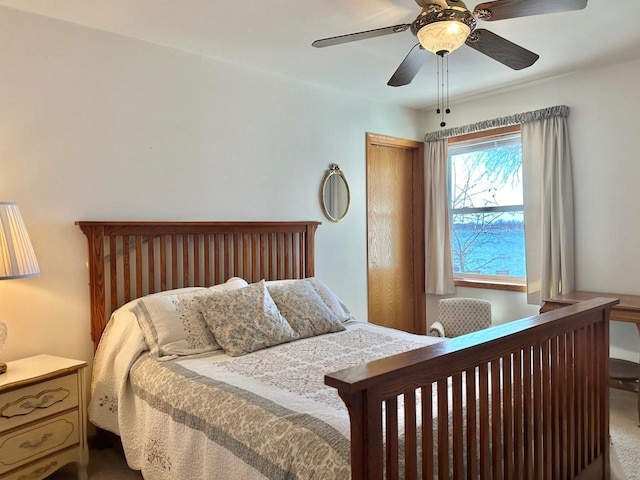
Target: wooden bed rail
523	400
128	260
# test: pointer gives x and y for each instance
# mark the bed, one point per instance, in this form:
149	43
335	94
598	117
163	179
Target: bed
528	399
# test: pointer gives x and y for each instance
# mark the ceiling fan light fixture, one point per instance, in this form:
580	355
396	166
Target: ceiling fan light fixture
443	37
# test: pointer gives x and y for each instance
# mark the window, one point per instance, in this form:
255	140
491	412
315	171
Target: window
486	207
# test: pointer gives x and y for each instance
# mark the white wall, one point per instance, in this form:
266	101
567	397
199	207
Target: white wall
604	126
99	127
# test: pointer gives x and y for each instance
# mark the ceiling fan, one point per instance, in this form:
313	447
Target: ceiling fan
444	25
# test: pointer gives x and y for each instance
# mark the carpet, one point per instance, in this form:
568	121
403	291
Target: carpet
625	432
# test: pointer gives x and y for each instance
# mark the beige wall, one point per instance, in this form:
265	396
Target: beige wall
95	126
604	126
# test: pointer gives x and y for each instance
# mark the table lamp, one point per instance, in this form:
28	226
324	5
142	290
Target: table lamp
17	258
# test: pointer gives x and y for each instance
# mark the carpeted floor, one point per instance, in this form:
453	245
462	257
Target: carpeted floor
625	432
109	464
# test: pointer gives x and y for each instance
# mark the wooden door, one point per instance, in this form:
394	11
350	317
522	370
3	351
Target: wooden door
395	233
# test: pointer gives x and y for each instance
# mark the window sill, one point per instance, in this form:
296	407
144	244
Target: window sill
490	285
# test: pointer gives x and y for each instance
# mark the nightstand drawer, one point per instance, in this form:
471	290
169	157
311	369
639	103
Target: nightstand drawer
41	439
34	402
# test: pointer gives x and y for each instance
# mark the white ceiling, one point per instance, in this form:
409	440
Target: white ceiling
276	36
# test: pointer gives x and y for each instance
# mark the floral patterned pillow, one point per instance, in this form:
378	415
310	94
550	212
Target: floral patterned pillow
245	320
328	296
173	324
304	309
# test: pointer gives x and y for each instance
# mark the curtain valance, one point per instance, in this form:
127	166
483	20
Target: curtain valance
519	118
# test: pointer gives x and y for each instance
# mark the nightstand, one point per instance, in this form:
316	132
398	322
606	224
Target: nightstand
43	417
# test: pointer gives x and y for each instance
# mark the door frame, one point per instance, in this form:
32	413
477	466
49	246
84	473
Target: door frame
418	254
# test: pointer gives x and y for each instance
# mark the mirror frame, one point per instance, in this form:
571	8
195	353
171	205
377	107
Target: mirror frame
334	170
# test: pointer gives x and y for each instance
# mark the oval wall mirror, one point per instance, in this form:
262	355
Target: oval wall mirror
336	197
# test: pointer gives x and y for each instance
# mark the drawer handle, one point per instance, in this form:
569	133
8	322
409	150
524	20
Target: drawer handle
29	444
29	403
45	400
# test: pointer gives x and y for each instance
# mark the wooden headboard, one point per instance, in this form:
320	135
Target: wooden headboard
128	260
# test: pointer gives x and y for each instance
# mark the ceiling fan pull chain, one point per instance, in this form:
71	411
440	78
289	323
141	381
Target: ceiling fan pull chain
438	82
447	110
441	98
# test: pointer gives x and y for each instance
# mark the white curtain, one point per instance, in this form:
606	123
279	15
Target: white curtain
548	207
438	267
548	202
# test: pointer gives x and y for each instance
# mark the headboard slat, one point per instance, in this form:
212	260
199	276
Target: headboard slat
138	242
163	262
113	270
148	254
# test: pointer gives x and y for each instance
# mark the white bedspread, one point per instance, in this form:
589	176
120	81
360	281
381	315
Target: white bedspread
264	415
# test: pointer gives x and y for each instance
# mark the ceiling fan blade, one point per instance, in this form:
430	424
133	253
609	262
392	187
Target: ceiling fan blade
352	37
409	67
503	9
501	49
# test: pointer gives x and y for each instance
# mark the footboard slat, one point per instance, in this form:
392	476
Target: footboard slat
508	418
374	446
391	433
547	454
578	400
472	431
518	417
443	429
595	411
458	444
497	445
427	433
483	414
411	436
537	412
554	437
563	421
571	410
528	400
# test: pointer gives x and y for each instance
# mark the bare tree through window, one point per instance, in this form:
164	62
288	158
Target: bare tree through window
487	232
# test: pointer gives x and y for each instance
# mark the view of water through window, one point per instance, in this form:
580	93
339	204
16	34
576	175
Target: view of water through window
487	219
494	250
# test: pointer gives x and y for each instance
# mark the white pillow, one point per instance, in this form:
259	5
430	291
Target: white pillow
173	324
330	299
124	319
245	320
304	309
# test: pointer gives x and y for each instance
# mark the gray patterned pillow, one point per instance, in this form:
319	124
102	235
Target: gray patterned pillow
245	320
304	309
172	323
328	296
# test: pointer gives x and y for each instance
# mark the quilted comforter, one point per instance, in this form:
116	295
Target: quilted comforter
267	414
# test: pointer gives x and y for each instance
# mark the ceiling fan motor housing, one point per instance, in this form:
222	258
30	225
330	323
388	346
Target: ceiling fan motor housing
433	13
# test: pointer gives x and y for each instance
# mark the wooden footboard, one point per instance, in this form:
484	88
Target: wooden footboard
524	400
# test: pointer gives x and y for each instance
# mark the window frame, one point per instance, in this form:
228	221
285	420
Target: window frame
494	282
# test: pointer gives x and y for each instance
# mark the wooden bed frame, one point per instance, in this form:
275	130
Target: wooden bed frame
152	257
532	395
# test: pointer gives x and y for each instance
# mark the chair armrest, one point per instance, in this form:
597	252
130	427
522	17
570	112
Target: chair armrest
436	330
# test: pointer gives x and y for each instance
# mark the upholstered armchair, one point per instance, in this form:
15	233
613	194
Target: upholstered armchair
457	316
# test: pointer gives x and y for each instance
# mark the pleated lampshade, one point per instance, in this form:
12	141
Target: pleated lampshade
17	258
